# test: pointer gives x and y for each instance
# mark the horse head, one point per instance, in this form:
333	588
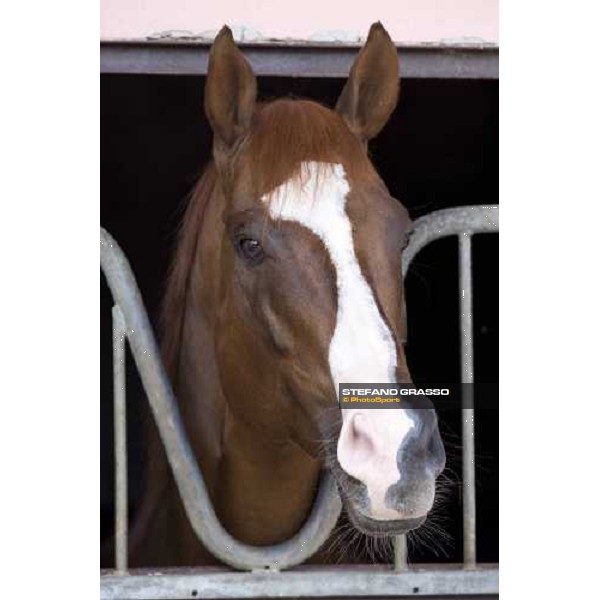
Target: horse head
307	289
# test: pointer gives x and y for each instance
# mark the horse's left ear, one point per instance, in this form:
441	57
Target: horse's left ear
371	92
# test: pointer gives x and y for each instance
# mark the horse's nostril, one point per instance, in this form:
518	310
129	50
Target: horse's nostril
360	436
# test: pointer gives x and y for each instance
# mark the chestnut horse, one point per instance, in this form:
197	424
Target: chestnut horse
286	281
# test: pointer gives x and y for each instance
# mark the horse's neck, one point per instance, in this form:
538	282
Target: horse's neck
199	394
266	489
262	488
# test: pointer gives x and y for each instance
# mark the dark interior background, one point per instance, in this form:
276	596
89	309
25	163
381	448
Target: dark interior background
440	149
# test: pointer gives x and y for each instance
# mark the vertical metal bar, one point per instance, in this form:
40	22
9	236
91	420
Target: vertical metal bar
468	416
400	553
188	477
120	433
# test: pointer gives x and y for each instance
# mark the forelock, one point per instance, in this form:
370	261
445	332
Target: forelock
286	134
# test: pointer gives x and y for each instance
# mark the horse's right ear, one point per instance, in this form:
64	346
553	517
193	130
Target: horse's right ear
230	92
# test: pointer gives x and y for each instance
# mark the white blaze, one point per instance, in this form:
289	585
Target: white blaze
362	348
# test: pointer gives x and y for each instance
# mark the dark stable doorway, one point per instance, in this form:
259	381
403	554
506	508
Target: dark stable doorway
439	149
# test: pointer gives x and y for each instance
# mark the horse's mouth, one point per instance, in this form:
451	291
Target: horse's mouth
365	524
376	528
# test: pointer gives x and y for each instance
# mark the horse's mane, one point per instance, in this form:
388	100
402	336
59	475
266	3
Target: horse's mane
186	245
284	134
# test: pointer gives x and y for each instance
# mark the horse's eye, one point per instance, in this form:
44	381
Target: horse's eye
250	249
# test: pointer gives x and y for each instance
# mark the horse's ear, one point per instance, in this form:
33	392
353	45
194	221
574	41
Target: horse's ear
230	92
371	92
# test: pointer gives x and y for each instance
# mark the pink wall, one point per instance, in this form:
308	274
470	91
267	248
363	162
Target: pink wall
324	20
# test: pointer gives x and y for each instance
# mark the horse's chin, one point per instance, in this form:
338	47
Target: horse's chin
380	528
361	521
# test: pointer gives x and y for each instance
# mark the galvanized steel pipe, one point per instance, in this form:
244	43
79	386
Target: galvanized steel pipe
120	433
327	507
181	458
449	221
468	412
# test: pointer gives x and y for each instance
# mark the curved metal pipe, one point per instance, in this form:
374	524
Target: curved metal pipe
464	222
449	221
190	482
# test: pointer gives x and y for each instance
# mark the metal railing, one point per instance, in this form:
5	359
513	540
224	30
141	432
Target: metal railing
130	321
132	318
463	222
